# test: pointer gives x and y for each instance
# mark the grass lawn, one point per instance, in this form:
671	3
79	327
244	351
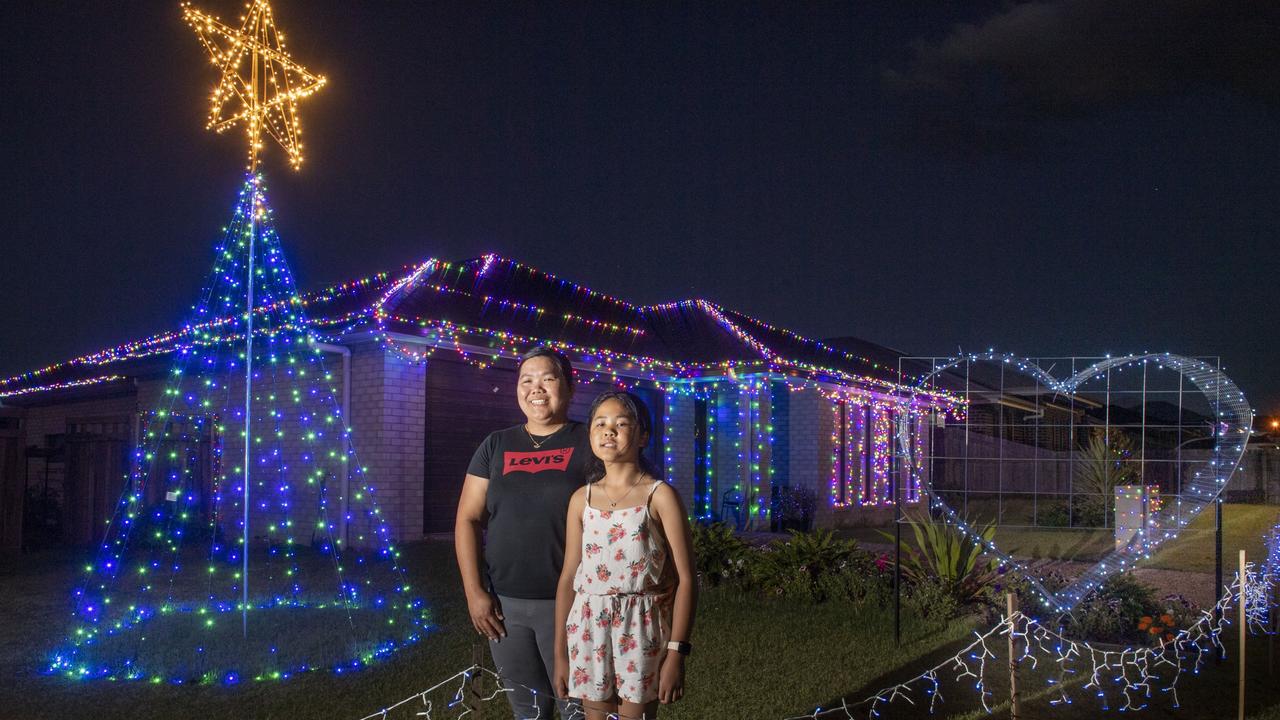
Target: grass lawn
1243	526
755	659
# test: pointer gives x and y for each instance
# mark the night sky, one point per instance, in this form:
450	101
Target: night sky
1067	177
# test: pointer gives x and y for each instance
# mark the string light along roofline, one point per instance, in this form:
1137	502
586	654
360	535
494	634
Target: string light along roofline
172	340
381	311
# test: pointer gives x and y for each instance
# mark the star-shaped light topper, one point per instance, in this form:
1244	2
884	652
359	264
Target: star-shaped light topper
260	83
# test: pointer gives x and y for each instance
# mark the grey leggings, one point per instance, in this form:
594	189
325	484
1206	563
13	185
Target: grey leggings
526	658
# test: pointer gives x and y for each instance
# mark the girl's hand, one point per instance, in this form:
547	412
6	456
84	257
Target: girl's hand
671	678
560	684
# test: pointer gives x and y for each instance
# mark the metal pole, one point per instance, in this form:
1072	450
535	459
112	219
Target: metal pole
248	402
1240	652
897	556
254	134
897	571
1217	557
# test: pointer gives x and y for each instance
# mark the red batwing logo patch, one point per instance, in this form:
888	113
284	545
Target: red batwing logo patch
536	462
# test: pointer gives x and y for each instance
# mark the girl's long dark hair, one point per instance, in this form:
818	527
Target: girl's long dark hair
636	409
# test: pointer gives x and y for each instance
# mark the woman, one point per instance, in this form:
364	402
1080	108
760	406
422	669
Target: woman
515	496
619	646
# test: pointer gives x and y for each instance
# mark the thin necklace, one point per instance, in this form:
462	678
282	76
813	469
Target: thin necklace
538	445
614	503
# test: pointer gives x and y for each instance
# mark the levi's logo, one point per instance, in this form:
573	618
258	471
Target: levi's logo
534	462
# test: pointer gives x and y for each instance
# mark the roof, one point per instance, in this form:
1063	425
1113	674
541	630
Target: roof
494	302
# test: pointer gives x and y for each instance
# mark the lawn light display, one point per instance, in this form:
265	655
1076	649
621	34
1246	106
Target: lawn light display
247	544
226	560
1152	419
1126	679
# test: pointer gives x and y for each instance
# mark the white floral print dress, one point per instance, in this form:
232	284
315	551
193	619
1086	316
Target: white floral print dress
617	634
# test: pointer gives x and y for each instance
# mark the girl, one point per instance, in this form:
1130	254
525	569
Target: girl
618	646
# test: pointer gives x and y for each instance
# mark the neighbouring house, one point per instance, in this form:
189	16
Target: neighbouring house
753	422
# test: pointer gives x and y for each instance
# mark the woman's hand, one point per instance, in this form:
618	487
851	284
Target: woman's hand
486	615
560	684
671	678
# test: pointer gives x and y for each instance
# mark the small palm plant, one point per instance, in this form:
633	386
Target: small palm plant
945	554
1103	464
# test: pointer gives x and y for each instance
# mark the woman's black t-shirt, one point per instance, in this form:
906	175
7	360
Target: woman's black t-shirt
527	502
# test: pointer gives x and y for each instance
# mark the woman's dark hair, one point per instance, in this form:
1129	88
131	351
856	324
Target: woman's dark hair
637	410
562	362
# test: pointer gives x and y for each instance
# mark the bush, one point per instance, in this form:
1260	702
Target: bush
809	566
1056	514
718	553
1114	613
1029	600
932	600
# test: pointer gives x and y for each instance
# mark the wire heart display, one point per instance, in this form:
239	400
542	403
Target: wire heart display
1232	419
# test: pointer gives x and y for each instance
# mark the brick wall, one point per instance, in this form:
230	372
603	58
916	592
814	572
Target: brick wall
679	461
810	441
388	414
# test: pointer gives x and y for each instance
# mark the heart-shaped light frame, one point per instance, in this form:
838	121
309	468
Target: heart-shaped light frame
1233	422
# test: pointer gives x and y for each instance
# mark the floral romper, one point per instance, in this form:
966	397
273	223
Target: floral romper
617	634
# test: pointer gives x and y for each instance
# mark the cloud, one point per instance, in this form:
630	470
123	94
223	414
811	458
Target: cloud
1054	59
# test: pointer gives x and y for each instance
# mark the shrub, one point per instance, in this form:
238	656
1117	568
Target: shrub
718	553
1113	613
932	600
808	567
1055	514
802	565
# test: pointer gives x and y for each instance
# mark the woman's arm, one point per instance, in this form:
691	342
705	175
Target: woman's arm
669	511
564	589
483	607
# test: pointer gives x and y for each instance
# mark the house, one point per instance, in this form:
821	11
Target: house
746	414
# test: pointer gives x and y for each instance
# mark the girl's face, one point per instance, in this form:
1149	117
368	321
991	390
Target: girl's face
615	435
542	392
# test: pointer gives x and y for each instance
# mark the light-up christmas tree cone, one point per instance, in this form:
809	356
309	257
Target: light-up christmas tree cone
248	543
183	590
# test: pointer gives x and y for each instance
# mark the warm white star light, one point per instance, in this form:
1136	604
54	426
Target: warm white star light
260	85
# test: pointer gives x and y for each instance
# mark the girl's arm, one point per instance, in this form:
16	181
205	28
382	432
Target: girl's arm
670	513
564	589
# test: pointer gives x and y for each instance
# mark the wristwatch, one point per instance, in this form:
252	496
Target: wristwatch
683	648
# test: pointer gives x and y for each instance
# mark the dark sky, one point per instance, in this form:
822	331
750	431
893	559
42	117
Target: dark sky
1051	178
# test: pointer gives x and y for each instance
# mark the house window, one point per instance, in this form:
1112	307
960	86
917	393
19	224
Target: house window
701	459
849	441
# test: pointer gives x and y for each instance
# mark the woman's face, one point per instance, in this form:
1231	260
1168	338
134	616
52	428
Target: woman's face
543	393
615	435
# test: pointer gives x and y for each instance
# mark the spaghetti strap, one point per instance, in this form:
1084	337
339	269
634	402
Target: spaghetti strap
649	498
